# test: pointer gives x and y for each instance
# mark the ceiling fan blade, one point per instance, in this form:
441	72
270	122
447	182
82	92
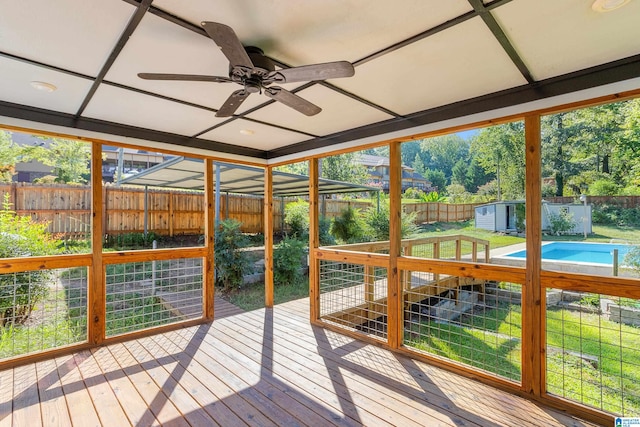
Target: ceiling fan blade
185	77
232	103
292	100
329	70
228	42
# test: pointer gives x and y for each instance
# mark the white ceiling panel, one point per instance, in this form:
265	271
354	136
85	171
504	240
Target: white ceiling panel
254	135
15	86
339	112
455	64
558	37
76	35
306	32
117	105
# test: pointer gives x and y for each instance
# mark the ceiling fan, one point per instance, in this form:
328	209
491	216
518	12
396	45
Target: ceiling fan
249	67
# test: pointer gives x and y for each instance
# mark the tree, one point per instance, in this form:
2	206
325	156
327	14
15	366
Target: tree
437	179
418	164
344	167
443	152
9	156
69	159
459	173
300	168
500	151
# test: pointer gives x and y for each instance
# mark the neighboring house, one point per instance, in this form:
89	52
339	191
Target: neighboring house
134	161
503	217
378	169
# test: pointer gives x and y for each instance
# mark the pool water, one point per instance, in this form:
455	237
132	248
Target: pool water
599	253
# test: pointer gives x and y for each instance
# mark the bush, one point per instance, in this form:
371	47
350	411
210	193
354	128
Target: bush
324	232
130	240
19	292
561	222
231	262
348	226
603	187
377	223
287	261
296	216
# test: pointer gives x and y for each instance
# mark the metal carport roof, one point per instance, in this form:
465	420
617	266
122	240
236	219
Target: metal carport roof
187	173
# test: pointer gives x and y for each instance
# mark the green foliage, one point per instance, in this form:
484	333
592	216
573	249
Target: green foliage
603	187
458	194
348	227
296	216
413	193
20	236
632	258
433	196
324	232
561	222
377	223
69	159
9	156
130	240
287	261
520	216
344	167
609	214
437	178
231	262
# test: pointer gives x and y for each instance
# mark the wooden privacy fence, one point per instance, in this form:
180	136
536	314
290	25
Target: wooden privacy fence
67	209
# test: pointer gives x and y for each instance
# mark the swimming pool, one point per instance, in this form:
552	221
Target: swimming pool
596	253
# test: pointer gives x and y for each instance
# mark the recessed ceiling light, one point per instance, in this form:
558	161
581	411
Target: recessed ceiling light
43	86
247	131
608	5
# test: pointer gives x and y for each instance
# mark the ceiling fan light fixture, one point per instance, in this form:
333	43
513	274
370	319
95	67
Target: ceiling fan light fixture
608	5
247	132
43	86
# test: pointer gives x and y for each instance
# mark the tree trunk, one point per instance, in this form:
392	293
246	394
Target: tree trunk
605	164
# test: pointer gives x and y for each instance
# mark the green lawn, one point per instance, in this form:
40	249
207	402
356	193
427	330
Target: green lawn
251	297
466	227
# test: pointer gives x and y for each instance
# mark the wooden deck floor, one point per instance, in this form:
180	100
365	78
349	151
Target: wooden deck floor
266	368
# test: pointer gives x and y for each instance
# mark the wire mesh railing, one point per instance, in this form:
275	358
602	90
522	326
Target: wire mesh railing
354	296
593	351
141	295
42	310
470	321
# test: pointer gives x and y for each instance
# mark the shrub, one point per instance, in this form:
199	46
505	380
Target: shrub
377	223
603	187
231	262
296	216
130	240
287	261
324	232
561	222
348	226
21	236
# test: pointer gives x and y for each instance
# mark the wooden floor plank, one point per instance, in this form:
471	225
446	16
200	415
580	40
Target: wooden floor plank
293	363
132	403
6	398
187	405
53	404
214	405
26	402
105	401
81	409
159	404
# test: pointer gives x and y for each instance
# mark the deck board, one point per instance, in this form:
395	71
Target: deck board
264	367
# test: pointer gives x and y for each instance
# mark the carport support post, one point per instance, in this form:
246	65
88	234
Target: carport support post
268	237
96	295
146	211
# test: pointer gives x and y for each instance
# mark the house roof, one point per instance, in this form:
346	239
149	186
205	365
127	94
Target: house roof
419	66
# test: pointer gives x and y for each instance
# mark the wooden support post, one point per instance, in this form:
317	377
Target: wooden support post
395	324
458	249
208	273
369	291
436	255
474	251
533	339
268	237
96	292
314	243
